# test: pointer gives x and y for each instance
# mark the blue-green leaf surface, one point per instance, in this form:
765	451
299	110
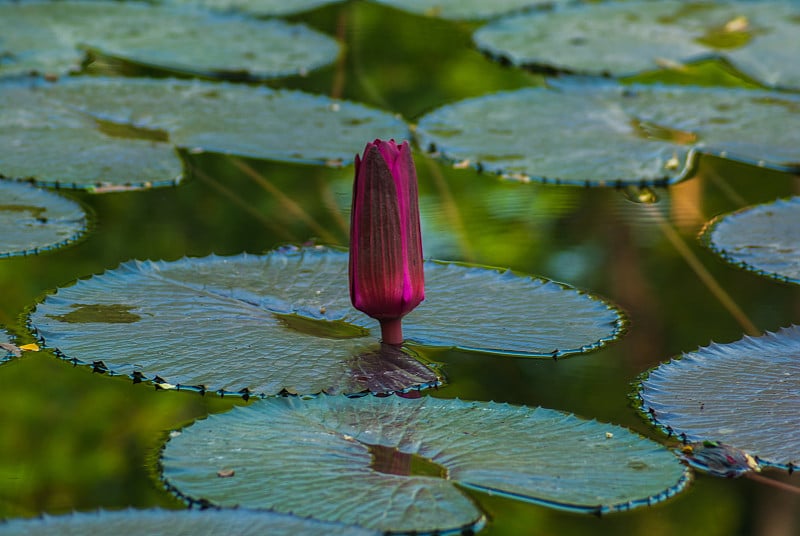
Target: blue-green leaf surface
264	8
176	523
34	220
284	321
50	38
745	394
603	134
621	38
467	9
359	461
113	133
764	239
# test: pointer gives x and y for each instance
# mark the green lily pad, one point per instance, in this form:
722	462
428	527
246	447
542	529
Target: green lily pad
395	464
763	239
744	394
50	37
599	134
263	8
34	220
283	321
622	38
467	9
175	522
115	133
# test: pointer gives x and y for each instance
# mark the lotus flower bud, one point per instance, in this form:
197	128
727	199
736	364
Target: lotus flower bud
386	277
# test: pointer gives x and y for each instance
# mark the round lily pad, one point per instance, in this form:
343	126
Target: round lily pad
622	38
600	134
175	522
34	220
50	37
395	464
283	321
744	394
263	8
467	9
763	239
114	133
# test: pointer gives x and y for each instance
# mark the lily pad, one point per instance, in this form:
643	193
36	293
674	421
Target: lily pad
467	9
263	8
763	239
744	394
51	37
395	464
600	134
283	321
121	132
34	220
622	38
175	522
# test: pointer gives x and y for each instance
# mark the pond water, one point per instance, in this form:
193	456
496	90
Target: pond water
74	439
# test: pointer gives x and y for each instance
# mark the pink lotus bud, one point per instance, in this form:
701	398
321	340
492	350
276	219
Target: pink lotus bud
386	278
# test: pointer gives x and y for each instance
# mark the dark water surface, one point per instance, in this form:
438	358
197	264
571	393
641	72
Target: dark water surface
72	439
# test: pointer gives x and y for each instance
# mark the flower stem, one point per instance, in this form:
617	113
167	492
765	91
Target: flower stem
392	331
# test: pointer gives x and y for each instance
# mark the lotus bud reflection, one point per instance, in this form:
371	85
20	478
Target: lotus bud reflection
386	277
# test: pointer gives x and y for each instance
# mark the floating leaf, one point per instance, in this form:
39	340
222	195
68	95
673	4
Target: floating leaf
156	521
34	220
744	394
621	38
391	464
107	133
604	134
467	9
284	321
763	239
263	8
47	37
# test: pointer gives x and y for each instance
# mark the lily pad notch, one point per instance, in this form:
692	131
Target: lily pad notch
327	458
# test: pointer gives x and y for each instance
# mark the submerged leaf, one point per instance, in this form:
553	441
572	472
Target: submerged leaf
744	394
718	459
327	458
103	133
621	38
48	38
34	220
600	134
764	239
283	321
177	522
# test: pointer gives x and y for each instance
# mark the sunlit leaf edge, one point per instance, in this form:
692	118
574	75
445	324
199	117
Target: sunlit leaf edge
649	414
708	230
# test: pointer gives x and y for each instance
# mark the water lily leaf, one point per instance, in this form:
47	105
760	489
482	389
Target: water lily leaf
744	394
283	321
629	37
390	463
467	9
34	220
264	8
114	133
47	37
605	134
176	522
763	239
